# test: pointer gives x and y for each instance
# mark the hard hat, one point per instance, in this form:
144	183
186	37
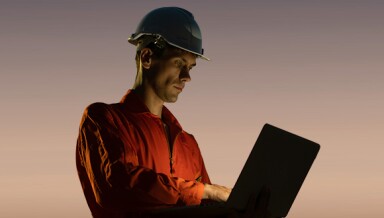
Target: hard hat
174	25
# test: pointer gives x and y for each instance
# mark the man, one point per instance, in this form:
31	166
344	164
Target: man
134	156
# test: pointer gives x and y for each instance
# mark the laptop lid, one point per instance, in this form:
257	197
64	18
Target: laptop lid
279	160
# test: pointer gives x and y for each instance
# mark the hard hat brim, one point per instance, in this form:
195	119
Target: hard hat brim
134	38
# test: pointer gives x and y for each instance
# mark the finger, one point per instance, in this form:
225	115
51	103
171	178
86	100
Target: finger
264	196
262	202
250	209
233	214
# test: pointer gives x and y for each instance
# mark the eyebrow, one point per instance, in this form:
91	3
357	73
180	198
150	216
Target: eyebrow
192	65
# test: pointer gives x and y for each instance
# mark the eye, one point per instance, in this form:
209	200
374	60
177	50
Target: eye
179	64
182	65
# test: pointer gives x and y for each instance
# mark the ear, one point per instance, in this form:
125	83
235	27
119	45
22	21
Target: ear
146	58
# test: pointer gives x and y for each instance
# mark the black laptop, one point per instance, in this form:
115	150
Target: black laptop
279	160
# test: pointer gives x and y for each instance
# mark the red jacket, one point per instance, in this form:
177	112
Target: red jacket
125	163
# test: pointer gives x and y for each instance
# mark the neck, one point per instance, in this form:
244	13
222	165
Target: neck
150	99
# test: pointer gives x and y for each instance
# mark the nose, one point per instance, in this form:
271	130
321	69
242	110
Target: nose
185	76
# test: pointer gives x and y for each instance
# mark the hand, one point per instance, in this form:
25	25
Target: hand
257	206
216	192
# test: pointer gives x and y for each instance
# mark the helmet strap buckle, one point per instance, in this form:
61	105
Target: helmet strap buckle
159	41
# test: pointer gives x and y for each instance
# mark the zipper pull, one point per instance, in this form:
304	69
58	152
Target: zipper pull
198	179
171	166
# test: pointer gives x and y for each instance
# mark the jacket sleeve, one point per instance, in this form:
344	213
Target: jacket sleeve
204	175
204	178
119	182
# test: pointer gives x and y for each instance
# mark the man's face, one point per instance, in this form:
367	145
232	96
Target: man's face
170	74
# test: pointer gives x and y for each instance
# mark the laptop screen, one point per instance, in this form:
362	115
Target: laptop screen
280	161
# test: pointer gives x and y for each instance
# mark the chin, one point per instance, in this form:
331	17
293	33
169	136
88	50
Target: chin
171	99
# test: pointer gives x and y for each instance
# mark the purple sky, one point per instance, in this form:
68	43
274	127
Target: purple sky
314	68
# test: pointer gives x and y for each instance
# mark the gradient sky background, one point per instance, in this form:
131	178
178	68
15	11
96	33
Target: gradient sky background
314	68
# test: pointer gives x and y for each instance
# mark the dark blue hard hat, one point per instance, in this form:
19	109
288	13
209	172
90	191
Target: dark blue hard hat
175	25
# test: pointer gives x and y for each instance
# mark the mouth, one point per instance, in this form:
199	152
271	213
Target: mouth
179	87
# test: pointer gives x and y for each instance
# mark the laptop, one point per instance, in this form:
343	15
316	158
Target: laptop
279	160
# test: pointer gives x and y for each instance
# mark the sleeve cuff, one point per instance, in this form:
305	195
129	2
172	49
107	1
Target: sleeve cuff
194	196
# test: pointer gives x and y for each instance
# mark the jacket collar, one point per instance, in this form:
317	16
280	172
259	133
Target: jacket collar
134	104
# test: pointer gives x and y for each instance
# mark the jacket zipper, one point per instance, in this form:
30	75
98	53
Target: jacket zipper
168	134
